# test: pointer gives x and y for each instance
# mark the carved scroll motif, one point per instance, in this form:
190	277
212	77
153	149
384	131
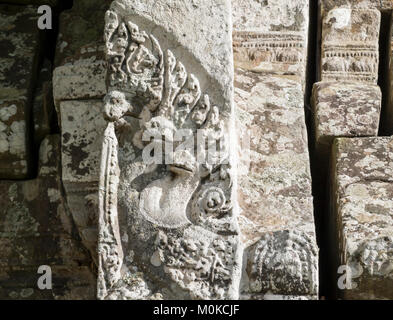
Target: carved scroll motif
187	205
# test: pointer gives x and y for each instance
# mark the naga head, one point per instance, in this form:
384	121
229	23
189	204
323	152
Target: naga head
116	105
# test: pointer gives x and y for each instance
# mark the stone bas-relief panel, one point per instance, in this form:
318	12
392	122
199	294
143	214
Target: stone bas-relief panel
362	213
350	47
168	229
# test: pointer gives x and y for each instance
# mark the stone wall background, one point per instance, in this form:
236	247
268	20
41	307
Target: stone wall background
36	226
51	88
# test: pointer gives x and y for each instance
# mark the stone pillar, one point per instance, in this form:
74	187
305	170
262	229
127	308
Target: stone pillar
361	217
347	101
36	227
82	126
275	199
350	48
78	89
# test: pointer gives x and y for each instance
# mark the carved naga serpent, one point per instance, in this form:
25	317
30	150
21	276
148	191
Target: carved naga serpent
156	89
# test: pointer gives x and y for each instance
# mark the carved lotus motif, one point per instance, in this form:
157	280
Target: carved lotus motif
280	263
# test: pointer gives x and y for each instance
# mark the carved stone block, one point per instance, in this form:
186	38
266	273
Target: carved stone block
271	115
82	131
362	215
80	27
271	36
80	66
83	128
83	77
344	110
168	229
18	70
350	48
274	190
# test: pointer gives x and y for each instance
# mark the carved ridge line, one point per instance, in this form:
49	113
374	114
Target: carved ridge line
108	215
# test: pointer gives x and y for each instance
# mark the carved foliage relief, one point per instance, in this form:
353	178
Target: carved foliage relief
350	49
165	229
